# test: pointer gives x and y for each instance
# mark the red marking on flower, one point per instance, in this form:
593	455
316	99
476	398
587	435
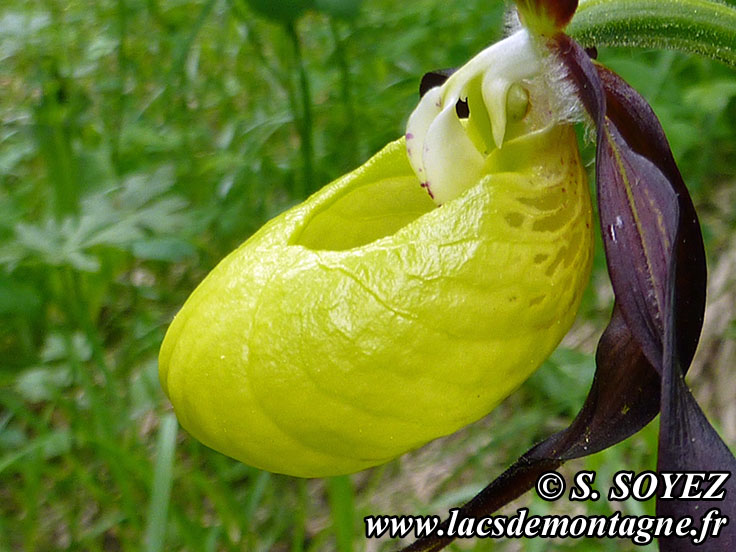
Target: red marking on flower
425	185
546	16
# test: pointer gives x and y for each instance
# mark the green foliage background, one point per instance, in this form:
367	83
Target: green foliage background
142	140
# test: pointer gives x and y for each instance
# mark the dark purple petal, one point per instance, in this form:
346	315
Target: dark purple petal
438	78
657	268
432	79
643	204
637	245
638	215
644	136
656	261
687	441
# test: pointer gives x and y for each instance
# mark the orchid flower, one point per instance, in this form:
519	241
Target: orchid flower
368	321
406	299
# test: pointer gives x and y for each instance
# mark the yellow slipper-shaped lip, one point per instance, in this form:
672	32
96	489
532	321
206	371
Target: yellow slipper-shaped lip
367	321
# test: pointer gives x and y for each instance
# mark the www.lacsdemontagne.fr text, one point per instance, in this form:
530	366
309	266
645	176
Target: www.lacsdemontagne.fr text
640	530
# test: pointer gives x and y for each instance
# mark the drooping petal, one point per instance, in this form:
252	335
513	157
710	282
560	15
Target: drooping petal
687	441
645	138
657	268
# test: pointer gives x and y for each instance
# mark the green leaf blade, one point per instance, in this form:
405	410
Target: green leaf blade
702	27
163	477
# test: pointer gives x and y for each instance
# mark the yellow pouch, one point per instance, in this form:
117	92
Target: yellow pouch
366	321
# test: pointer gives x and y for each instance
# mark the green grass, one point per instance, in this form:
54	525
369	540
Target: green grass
143	140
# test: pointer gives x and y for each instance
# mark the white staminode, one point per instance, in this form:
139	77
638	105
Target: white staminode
448	154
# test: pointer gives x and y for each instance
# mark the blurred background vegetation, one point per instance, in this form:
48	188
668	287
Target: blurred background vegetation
142	140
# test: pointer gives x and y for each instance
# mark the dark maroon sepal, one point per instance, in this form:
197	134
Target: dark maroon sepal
687	441
656	261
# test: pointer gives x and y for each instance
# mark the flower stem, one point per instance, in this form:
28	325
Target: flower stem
307	145
702	27
346	89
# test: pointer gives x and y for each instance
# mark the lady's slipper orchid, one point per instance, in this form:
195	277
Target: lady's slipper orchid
367	321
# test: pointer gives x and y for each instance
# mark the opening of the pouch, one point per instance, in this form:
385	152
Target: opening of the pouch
364	214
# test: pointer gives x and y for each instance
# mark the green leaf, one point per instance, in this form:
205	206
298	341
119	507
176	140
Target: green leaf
700	27
283	11
163	249
712	97
163	477
41	384
140	215
340	493
18	298
346	9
